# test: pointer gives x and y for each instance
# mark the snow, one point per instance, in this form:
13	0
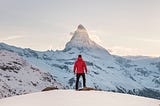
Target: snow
78	98
18	77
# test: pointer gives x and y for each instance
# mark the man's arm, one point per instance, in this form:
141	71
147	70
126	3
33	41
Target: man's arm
75	67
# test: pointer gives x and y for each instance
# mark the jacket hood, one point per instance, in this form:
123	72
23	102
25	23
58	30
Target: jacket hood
79	59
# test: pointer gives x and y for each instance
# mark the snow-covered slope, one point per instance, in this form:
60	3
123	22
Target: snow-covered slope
106	71
18	77
78	98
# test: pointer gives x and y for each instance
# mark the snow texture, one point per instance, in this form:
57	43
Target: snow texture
78	98
18	77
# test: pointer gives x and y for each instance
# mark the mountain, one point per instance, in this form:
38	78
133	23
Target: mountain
81	40
106	72
18	77
78	98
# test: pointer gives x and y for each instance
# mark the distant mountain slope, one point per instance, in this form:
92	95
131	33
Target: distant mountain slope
18	77
106	71
78	98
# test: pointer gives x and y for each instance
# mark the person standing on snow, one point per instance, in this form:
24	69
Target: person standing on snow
79	69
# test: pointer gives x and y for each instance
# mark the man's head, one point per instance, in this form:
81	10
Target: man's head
79	56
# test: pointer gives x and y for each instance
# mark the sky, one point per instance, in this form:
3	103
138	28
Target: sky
123	27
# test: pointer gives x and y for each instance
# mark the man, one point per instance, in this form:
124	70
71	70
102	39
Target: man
79	70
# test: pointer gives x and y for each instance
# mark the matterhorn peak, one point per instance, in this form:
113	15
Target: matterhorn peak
81	27
81	30
81	40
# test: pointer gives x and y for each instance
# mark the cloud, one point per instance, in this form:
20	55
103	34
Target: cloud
71	33
95	38
12	37
151	40
124	51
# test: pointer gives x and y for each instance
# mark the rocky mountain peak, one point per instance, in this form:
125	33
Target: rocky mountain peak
81	27
80	39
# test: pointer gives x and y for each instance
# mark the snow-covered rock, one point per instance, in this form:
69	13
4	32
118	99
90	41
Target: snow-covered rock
78	98
18	77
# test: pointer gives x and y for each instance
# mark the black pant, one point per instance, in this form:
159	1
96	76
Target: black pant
77	80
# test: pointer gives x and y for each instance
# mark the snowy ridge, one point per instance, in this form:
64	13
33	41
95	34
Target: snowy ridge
78	98
106	71
139	57
18	77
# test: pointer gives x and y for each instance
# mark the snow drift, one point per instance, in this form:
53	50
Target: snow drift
78	98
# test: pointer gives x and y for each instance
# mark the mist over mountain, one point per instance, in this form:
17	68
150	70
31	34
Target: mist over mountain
106	72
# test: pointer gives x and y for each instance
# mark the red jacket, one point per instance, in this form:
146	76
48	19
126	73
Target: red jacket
80	66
